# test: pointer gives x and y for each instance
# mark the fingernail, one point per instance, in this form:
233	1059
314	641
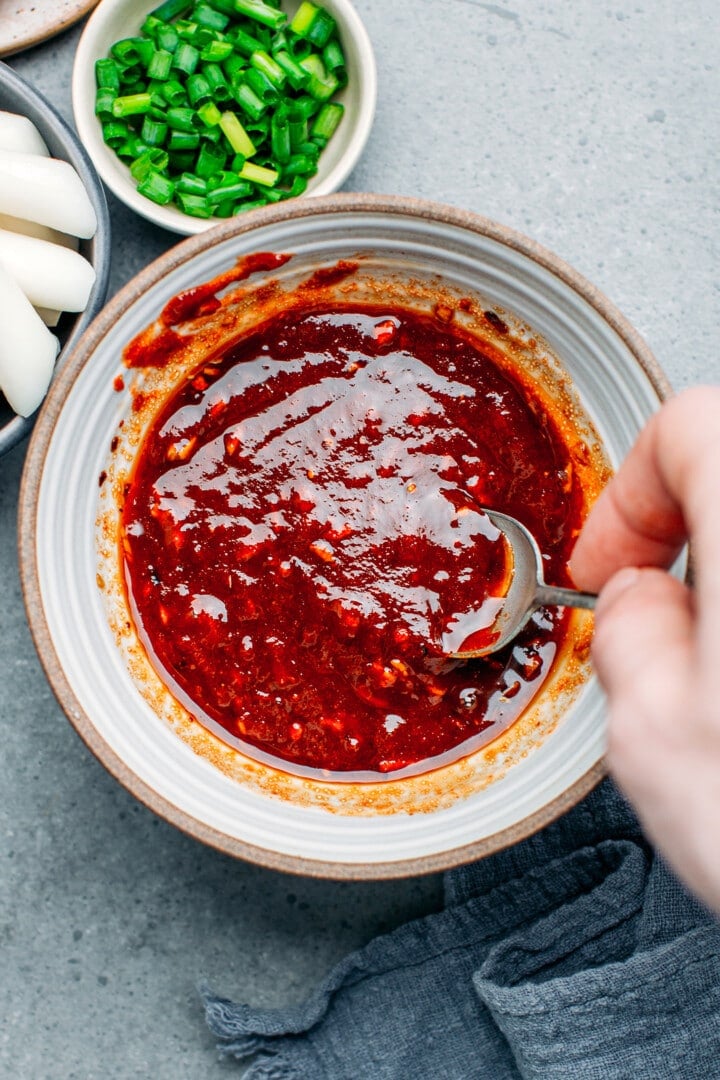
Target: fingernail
619	583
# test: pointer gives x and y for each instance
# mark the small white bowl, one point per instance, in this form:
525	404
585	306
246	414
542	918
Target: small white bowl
117	19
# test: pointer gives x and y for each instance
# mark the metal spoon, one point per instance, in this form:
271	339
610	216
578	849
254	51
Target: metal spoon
526	592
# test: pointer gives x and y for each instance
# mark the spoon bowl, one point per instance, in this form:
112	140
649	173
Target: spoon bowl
526	591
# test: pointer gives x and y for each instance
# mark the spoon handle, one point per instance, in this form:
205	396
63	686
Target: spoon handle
553	595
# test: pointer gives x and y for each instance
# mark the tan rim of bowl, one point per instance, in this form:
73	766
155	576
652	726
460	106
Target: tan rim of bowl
28	501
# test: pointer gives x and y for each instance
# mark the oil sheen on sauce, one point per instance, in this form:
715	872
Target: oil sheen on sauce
303	538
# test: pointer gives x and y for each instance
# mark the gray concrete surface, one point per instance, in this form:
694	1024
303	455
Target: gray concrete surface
591	127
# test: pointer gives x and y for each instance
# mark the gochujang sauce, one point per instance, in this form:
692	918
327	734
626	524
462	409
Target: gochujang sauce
303	539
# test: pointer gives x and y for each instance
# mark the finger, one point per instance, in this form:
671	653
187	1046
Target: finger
616	535
660	494
643	638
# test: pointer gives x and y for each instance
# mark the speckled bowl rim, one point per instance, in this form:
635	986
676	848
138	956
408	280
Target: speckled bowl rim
50	29
30	487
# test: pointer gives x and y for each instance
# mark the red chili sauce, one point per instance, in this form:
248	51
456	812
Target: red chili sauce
303	537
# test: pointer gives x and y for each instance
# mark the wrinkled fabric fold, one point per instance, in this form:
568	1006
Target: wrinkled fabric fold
574	954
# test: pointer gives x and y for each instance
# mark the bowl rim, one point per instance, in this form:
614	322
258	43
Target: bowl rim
170	217
67	15
15	430
30	488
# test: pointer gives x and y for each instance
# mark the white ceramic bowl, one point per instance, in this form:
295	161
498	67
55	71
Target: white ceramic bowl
116	19
17	95
548	760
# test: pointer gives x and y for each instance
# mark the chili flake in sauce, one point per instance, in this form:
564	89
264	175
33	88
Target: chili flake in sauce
303	534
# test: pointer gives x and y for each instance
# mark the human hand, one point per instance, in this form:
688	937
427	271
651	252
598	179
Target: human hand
657	643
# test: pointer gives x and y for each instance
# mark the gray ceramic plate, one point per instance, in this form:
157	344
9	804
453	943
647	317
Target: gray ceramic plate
18	96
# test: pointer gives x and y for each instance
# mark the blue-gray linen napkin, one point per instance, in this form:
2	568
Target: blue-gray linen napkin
573	956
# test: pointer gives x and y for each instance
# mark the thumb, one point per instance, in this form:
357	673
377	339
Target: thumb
643	636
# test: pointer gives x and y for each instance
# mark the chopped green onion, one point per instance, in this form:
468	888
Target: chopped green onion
180	118
133	105
115	132
194	205
334	58
180	161
239	190
268	67
236	134
234	67
325	123
207	16
223	178
213	134
174	92
321	29
322	84
261	12
186	57
104	101
152	26
217	82
107	74
261	86
210	160
199	90
160	64
204	37
259	129
220	106
251	204
298	187
153	132
305	106
310	149
186	29
131	86
259	174
246	43
279	40
273	195
300	165
167	38
280	137
151	160
216	51
209	114
299	48
298	128
248	101
158	105
132	148
191	184
132	51
303	19
294	73
313	23
183	140
171	9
